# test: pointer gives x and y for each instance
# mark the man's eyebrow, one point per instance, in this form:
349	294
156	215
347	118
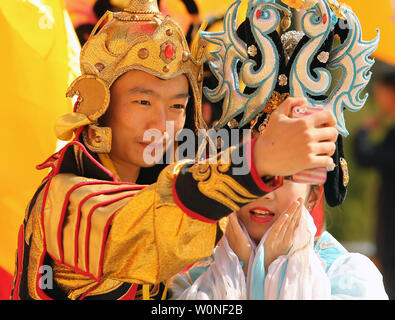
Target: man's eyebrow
143	90
183	95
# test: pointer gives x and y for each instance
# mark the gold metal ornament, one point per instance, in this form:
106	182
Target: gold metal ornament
286	22
185	56
264	124
344	167
252	50
97	139
168	51
99	66
255	121
94	96
282	80
323	57
274	102
143	53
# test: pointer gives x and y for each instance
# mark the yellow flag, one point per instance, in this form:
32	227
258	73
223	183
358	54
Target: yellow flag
39	59
377	14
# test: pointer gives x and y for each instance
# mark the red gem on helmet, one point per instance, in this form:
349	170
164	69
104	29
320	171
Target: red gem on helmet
325	19
169	51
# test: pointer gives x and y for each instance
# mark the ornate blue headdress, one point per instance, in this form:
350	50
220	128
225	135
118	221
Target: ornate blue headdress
298	64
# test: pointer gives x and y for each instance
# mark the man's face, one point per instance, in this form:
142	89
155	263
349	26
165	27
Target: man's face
139	102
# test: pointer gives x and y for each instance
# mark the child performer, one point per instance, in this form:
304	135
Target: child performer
269	252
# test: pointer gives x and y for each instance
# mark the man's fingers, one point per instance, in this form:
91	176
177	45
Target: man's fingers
321	162
323	148
323	118
288	104
328	134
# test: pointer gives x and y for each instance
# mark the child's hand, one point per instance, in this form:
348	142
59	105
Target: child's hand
280	237
238	241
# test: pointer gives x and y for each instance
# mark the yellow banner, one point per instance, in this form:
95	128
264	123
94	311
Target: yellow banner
39	58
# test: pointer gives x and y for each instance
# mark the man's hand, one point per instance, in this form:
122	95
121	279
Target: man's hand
288	146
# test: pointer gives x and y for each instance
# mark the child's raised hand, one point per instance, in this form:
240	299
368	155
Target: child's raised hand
280	238
238	241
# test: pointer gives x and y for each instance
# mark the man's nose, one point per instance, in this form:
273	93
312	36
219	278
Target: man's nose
158	119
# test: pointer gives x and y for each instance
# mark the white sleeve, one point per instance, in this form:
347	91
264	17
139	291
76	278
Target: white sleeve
224	279
354	276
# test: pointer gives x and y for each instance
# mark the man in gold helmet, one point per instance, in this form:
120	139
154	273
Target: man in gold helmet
106	225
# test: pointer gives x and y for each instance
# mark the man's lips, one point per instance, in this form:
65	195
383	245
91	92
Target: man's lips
261	215
152	144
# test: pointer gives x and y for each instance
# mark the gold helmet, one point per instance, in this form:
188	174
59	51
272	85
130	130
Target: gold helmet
137	38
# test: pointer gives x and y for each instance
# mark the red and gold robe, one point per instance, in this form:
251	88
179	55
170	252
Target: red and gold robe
105	239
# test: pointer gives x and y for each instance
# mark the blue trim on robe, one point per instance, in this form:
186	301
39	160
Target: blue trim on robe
328	249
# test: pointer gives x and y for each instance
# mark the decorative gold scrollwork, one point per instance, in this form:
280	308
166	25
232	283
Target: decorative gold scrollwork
216	185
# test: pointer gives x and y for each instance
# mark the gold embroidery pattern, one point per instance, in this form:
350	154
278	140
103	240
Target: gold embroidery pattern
214	184
148	291
274	102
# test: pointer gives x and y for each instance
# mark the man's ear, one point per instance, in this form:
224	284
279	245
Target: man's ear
314	198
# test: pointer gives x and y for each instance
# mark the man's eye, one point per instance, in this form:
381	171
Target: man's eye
178	106
144	102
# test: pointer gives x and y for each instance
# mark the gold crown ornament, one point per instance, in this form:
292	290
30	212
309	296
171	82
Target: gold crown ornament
137	38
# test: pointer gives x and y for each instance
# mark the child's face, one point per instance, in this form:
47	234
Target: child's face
139	102
259	215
